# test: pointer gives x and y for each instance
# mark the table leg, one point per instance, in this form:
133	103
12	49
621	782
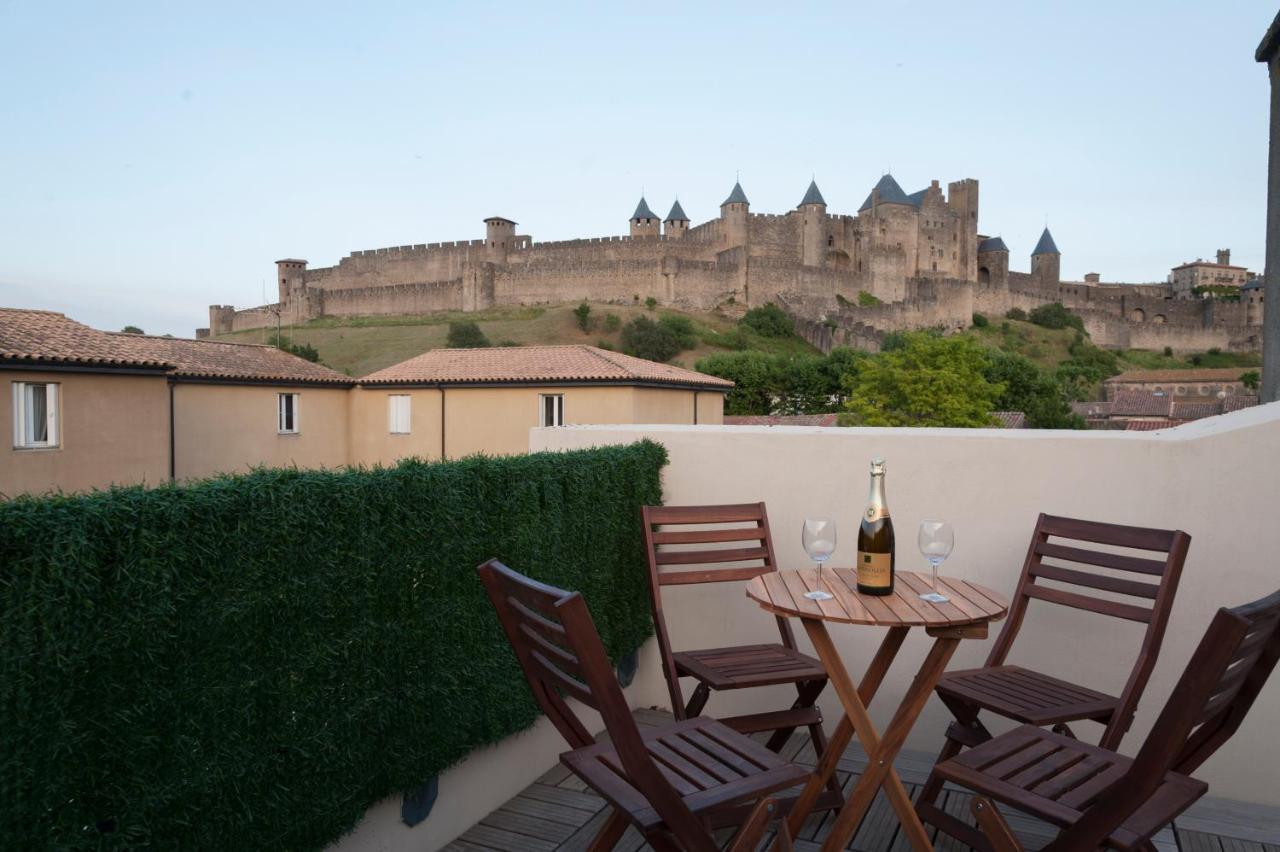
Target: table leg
839	740
880	751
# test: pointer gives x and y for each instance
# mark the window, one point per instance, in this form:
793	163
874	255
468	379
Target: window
35	415
288	419
552	409
398	413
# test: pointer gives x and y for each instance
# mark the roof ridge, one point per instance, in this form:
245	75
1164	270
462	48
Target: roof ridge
190	339
40	311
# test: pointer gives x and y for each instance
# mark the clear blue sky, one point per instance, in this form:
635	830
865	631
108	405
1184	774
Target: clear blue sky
156	159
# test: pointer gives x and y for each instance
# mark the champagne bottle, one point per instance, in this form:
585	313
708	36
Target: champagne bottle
875	539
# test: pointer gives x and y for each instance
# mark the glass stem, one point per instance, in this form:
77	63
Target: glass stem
935	574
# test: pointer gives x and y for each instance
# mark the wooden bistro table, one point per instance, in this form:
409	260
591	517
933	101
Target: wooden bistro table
965	616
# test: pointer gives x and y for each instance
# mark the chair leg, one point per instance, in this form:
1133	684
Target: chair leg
610	833
807	693
748	837
933	785
993	825
697	701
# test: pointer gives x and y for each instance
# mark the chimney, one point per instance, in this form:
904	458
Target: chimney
1224	257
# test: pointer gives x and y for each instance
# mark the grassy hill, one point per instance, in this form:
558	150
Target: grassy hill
360	345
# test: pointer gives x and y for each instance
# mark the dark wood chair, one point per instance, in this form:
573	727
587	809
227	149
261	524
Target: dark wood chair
1102	799
668	782
1037	699
719	544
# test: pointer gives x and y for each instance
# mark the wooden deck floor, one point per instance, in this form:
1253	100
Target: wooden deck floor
557	812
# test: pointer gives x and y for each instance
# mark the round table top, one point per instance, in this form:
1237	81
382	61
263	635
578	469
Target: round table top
782	592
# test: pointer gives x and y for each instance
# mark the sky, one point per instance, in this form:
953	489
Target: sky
158	158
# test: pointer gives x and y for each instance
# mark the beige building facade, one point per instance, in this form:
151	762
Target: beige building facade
90	409
1187	277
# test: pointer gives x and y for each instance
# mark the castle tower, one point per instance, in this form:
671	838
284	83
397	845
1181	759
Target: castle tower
993	262
1046	261
499	237
962	198
813	226
1224	257
291	273
676	223
644	222
733	212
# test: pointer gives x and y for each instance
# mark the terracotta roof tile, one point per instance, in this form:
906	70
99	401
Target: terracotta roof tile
1092	408
1140	404
534	364
1195	410
52	338
1010	419
215	359
1148	425
1236	403
782	420
1224	374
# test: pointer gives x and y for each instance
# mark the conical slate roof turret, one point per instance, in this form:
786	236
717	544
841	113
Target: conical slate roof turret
890	193
1046	244
992	244
677	213
737	196
643	211
812	195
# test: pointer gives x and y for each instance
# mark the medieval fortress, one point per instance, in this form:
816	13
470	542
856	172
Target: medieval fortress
919	254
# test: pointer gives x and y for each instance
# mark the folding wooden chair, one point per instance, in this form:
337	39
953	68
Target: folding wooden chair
1102	799
668	782
1037	699
719	544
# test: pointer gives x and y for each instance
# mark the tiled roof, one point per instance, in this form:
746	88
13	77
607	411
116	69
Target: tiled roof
1224	374
214	359
677	213
1236	403
643	211
782	420
1010	419
890	193
1195	410
1148	425
812	195
1140	404
1046	244
1256	284
992	244
51	337
1092	408
737	196
538	364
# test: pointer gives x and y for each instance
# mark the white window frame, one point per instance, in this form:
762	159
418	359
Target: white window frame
280	413
21	438
399	422
557	413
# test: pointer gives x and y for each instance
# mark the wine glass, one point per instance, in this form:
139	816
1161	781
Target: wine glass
936	540
819	538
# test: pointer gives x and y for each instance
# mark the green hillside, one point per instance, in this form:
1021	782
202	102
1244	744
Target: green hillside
360	345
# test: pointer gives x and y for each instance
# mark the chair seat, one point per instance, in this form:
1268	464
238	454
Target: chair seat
1056	778
748	665
709	764
1026	696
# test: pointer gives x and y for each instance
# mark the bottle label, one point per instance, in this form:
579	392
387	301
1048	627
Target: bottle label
875	569
876	512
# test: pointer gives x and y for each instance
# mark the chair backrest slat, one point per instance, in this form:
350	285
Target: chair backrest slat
1085	570
1210	700
1098	605
535	617
681	556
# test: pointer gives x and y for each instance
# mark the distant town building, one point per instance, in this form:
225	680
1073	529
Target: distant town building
1203	273
1141	410
1178	383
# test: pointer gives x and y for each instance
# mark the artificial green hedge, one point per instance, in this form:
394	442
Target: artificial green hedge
251	661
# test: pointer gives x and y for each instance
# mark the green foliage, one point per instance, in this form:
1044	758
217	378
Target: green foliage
842	301
508	343
1197	360
1221	292
1016	314
682	327
302	350
604	344
651	303
980	321
769	320
466	335
1215	351
1168	352
583	314
252	661
655	341
132	329
1055	315
866	300
894	341
612	322
1033	391
1251	380
1086	367
778	384
928	380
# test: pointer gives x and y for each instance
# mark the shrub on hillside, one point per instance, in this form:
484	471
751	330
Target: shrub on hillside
769	321
132	329
1250	380
1016	314
466	335
612	322
866	300
1055	315
980	321
1035	392
303	350
583	314
651	303
654	341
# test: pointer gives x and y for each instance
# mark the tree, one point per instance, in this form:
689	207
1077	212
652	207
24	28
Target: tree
132	329
1035	392
303	350
778	384
769	320
754	377
980	321
654	341
466	335
1016	314
583	314
1055	315
1250	380
1087	366
929	381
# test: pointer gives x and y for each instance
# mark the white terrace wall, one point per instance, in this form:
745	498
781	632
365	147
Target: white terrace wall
1216	479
